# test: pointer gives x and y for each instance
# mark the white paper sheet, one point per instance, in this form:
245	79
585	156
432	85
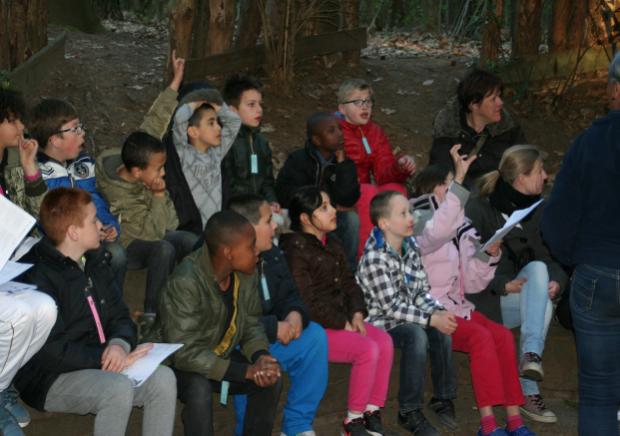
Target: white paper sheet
12	270
515	218
15	287
15	224
142	369
24	247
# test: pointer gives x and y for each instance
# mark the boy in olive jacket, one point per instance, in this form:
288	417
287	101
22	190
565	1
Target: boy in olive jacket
211	304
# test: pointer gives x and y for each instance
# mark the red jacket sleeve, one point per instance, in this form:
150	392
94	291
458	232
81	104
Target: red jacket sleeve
384	165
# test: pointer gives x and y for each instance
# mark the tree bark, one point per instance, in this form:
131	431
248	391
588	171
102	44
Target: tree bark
109	9
528	29
221	25
250	24
23	31
350	20
561	12
492	37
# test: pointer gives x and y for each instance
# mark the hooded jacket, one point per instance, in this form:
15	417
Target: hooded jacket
451	251
380	163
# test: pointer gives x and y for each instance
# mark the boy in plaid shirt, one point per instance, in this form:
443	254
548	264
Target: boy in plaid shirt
396	291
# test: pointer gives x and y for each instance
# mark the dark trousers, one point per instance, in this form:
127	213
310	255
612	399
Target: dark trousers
415	343
196	393
159	258
595	308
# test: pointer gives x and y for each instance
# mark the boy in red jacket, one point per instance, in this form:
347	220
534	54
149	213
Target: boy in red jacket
366	144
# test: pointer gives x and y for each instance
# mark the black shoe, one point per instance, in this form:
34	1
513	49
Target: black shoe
355	427
416	423
444	409
374	425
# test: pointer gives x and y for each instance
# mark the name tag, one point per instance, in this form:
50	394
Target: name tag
366	145
254	163
265	287
224	392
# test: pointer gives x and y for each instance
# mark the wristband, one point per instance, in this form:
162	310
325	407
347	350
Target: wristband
32	178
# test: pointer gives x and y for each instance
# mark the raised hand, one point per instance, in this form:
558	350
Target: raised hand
178	70
28	156
461	163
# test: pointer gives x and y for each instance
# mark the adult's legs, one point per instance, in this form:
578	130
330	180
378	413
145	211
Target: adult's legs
158	396
595	308
182	241
348	232
118	262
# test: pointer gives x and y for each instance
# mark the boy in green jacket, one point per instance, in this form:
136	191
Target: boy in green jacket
211	304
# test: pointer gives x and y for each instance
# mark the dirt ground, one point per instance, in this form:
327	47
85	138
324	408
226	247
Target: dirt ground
112	78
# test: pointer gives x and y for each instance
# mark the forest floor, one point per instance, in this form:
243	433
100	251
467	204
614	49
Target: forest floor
113	77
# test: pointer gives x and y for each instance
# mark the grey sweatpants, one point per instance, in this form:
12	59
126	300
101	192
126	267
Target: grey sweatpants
111	396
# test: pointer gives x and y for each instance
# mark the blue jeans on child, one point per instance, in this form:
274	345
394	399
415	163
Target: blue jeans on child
415	342
305	362
595	307
532	310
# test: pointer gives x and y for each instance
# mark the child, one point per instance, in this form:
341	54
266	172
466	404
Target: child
335	301
396	290
367	145
247	167
456	265
64	162
78	368
322	163
299	344
133	183
211	305
203	131
20	177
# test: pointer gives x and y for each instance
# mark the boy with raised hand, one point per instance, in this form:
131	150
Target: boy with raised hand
204	129
78	368
299	345
248	168
367	145
211	304
396	291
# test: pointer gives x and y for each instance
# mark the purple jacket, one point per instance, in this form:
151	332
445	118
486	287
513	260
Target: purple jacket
451	250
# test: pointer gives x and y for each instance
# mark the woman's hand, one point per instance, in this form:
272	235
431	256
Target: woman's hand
461	163
494	249
514	286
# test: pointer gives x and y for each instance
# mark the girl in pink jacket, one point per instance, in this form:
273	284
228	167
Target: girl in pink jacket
456	265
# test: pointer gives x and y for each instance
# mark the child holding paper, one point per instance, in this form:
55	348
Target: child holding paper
527	278
93	339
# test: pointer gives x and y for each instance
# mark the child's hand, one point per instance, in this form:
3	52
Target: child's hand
407	163
109	233
461	163
554	289
178	69
340	156
494	249
113	358
357	324
514	286
28	156
264	372
443	321
158	187
294	319
140	351
286	332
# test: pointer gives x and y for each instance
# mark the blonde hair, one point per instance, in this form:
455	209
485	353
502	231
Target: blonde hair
516	160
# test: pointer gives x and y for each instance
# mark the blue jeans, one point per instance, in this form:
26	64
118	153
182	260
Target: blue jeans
118	262
595	307
414	342
305	361
348	232
532	310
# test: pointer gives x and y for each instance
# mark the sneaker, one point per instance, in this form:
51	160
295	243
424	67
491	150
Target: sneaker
535	409
18	411
444	409
416	423
497	432
531	367
355	427
374	426
8	424
303	433
521	431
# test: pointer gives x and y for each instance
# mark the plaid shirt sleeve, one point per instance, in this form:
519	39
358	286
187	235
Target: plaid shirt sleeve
405	305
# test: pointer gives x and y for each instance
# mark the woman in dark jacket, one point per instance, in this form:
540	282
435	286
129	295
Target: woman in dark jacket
334	299
527	278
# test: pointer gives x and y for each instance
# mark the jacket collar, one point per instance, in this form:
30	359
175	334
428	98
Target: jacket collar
376	241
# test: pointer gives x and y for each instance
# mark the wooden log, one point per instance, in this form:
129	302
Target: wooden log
306	47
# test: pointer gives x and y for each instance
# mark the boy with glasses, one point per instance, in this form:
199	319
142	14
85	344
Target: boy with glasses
366	144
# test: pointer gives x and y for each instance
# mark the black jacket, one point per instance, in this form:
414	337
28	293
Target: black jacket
520	246
73	343
178	189
283	294
450	127
302	168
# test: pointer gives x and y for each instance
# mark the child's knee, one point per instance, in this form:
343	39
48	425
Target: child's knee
118	391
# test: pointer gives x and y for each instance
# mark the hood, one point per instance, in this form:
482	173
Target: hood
107	164
376	241
447	123
423	208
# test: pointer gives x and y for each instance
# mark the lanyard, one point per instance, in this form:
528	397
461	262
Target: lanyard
93	309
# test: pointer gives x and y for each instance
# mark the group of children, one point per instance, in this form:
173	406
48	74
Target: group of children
191	197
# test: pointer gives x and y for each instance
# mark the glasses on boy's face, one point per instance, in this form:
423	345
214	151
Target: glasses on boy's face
366	102
78	130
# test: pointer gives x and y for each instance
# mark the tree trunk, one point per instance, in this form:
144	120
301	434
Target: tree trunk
109	9
528	29
221	25
350	20
492	36
397	14
562	13
250	24
23	31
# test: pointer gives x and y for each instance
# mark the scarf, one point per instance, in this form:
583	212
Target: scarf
507	199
